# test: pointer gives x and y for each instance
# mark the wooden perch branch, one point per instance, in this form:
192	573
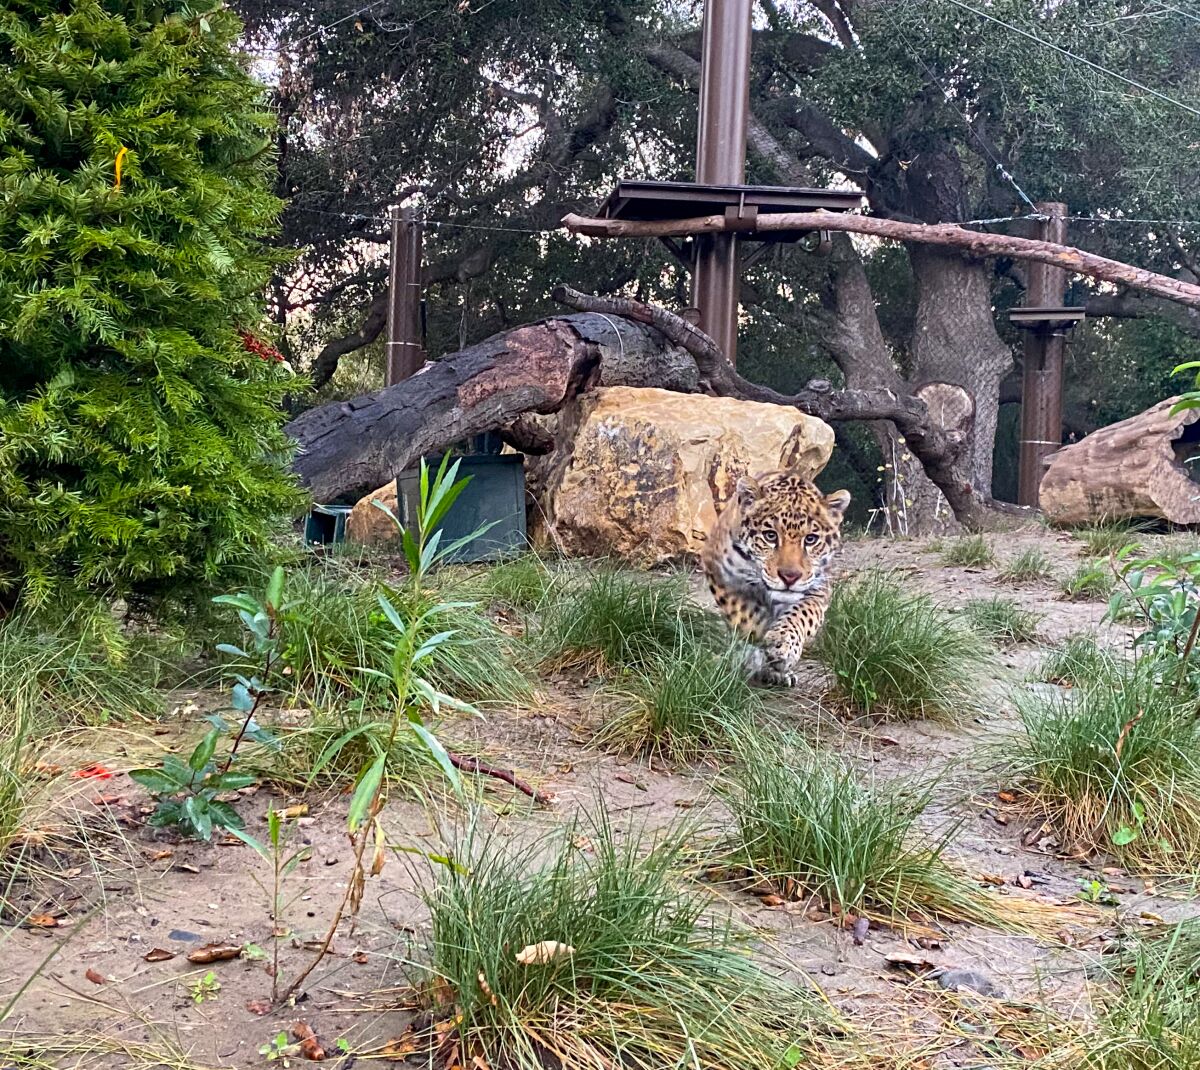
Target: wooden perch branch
974	243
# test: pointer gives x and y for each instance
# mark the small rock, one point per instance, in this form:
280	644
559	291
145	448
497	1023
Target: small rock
183	934
956	980
829	970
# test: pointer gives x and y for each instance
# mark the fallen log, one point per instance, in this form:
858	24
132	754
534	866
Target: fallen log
974	242
1133	469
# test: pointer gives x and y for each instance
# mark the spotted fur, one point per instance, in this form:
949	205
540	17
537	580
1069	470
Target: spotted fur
769	562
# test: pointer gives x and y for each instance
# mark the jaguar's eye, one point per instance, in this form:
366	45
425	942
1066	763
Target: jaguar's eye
771	537
811	539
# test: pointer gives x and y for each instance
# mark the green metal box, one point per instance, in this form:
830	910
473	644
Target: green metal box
495	495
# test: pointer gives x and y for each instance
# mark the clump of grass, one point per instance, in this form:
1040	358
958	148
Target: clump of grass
1115	766
334	628
1002	620
895	653
611	621
1101	540
1092	581
1078	662
599	958
76	666
804	822
968	551
683	706
1027	567
15	762
521	583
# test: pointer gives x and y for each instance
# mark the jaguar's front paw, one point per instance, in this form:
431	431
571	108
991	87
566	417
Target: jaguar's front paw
773	676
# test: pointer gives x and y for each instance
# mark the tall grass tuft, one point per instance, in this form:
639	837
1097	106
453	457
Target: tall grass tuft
1092	581
968	551
1115	766
685	705
522	583
894	653
1101	540
804	822
1002	621
1027	567
597	957
1079	661
611	621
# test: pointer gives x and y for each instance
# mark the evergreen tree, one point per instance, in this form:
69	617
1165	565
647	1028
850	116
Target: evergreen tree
140	435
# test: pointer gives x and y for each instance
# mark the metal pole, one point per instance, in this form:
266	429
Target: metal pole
1042	375
404	351
721	160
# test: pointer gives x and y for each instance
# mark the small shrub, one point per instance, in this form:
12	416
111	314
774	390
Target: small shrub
1115	766
895	653
1002	620
1078	662
684	705
805	822
599	958
968	551
1027	567
612	621
1092	581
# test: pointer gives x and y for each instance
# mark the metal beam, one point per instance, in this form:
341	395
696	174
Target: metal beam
721	159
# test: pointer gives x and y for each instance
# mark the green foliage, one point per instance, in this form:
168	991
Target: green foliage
1114	765
140	442
805	822
611	621
688	704
16	787
1162	595
894	653
1079	661
1028	566
969	551
1002	620
1103	540
522	583
625	970
1092	581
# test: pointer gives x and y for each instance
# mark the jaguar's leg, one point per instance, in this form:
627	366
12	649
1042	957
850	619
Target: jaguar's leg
784	642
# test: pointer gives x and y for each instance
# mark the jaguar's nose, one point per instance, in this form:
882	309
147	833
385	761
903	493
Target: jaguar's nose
789	577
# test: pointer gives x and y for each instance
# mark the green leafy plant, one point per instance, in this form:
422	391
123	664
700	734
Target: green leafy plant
1114	765
968	551
804	822
141	440
894	653
1027	567
1092	581
412	649
1096	892
205	989
615	621
1002	620
279	1049
187	792
596	955
1105	539
1079	661
283	862
689	704
1163	596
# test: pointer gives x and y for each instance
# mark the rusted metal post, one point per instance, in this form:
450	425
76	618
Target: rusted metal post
1042	377
405	353
721	160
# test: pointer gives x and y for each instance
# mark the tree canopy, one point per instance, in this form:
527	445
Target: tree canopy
496	119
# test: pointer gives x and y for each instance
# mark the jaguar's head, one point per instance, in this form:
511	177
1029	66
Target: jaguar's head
788	528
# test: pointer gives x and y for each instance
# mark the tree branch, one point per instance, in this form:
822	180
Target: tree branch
973	243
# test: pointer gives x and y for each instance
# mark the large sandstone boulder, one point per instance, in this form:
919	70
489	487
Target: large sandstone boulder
648	469
369	526
1140	467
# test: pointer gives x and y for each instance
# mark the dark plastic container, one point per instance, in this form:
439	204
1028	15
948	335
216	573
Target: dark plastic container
495	495
326	524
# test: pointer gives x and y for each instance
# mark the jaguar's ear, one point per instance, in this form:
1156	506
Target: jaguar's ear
837	503
748	491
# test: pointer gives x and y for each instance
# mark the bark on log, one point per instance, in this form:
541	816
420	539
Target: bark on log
1135	468
975	243
347	449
